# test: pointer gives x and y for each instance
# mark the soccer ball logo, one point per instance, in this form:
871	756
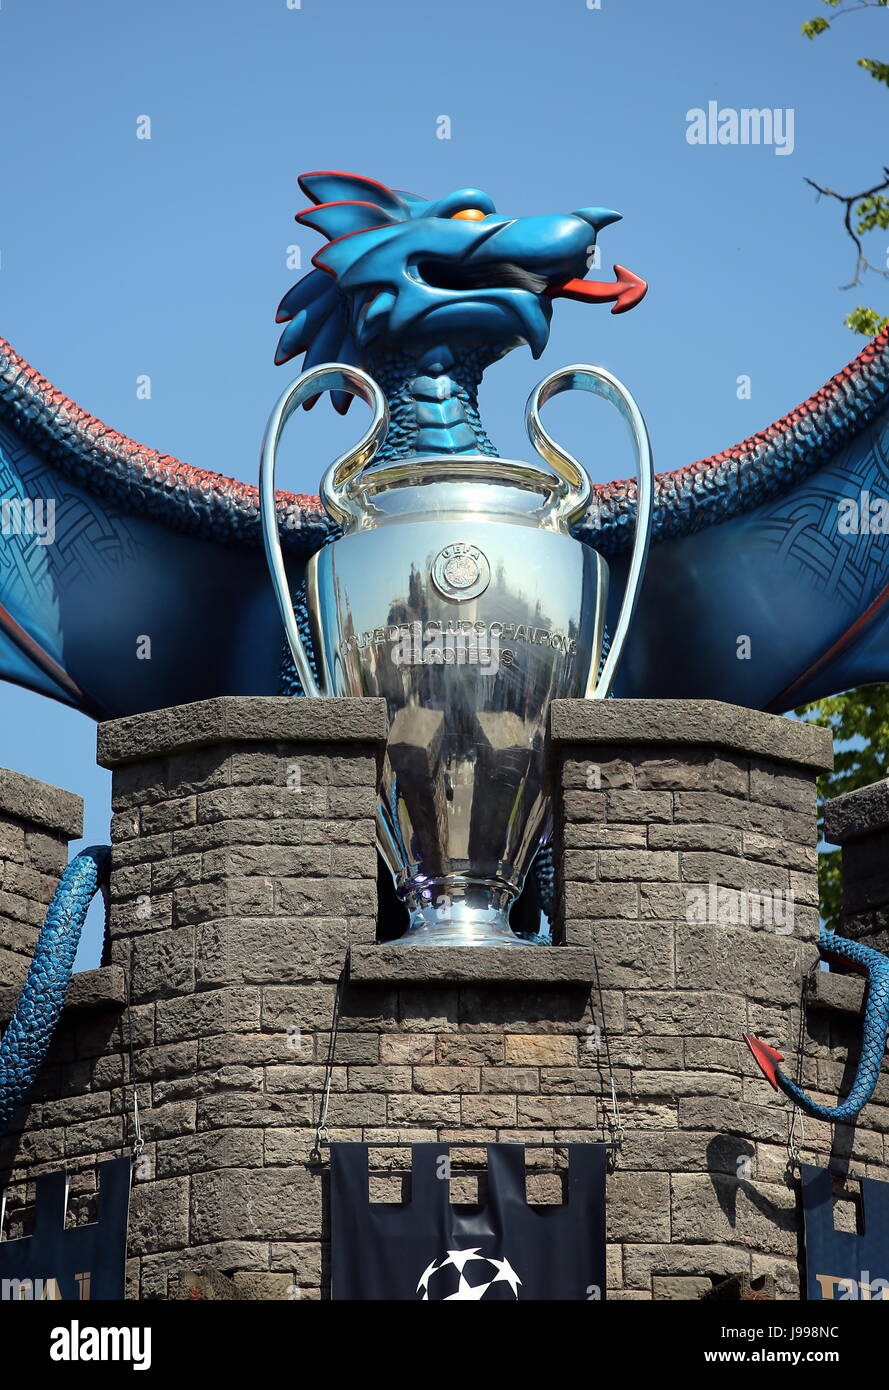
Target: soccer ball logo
468	1274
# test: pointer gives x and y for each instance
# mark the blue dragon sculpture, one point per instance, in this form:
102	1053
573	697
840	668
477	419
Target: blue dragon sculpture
426	294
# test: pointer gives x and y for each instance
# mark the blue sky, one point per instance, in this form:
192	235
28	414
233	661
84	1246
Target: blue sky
121	257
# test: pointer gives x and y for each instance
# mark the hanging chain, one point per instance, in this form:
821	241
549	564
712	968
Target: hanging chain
138	1141
794	1156
615	1120
617	1124
322	1135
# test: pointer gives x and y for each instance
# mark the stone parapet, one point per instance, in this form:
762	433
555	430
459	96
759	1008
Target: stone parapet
859	822
688	865
244	918
36	823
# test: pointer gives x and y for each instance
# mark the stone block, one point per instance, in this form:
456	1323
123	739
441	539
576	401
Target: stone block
707	723
408	1048
722	839
488	1110
264	1286
234	1010
269	951
551	1111
720	1209
634	954
158	1216
37	804
386	1078
301	1258
686	1013
201	1286
540	1050
644	1260
162	964
600	900
639	807
466	1050
418	1110
638	1207
446	1080
694	770
680	1287
278	1204
511	1080
181	1155
790	788
638	866
857	813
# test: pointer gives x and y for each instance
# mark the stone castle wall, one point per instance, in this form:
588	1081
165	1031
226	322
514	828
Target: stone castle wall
36	823
244	934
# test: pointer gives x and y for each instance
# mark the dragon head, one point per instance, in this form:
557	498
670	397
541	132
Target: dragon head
401	275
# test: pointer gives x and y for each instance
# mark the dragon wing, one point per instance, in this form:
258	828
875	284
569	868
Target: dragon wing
154	590
762	589
129	580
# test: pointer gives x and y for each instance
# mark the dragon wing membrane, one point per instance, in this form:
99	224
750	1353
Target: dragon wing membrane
152	587
154	590
755	592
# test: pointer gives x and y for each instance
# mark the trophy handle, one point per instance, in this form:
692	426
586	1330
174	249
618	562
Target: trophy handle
578	488
327	376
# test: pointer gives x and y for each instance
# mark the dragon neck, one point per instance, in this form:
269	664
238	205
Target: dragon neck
433	403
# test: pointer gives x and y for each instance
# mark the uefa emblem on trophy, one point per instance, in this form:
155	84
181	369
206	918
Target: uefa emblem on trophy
455	591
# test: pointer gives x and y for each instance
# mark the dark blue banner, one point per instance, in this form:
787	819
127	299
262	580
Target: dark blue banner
83	1262
428	1250
845	1265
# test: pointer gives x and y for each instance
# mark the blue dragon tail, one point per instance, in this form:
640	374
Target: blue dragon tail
28	1036
875	966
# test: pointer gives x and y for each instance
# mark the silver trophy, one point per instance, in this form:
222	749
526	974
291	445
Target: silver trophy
459	596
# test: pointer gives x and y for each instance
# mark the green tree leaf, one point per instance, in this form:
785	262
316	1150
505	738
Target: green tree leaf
865	321
873	212
879	71
813	27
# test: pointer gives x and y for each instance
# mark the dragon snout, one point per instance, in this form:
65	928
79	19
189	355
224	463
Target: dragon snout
557	249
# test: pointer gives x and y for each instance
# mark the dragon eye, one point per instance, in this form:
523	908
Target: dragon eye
470	214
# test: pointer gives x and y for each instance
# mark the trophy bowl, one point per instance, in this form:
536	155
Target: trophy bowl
458	595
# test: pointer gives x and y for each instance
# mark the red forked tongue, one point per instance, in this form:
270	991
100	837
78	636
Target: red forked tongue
626	291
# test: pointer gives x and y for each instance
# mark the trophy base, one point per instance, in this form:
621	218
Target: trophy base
480	918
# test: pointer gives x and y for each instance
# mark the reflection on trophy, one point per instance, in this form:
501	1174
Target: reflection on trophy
457	594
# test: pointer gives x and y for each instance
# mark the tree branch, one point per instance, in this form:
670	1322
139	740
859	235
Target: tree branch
862	5
862	264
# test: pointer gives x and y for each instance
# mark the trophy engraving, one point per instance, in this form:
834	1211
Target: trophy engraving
461	571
